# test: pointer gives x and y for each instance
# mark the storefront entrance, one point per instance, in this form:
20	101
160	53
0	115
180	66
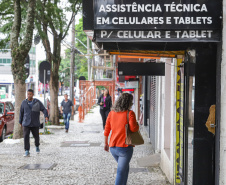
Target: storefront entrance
194	44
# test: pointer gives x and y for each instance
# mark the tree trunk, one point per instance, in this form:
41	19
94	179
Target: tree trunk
46	15
19	52
54	110
54	82
20	95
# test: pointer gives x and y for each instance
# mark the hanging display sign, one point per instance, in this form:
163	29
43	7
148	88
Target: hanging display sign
162	20
160	15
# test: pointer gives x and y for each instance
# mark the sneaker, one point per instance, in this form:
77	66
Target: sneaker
27	153
37	150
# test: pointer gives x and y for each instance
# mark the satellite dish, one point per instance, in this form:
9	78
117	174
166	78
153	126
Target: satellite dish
37	39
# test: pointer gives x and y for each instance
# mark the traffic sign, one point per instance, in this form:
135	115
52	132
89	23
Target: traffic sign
44	66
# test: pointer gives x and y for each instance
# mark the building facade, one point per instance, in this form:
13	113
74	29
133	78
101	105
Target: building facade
6	77
175	52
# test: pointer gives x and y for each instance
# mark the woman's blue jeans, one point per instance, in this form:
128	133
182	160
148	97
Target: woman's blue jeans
66	120
123	156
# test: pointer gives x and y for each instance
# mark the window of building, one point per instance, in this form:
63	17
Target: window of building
32	63
32	50
5	60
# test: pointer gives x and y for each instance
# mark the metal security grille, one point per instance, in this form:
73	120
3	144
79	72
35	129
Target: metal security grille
153	110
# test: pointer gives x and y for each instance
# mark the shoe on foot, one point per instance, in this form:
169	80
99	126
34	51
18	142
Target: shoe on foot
37	150
66	131
27	153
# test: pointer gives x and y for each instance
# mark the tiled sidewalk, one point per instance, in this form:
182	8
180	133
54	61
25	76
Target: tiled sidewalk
77	165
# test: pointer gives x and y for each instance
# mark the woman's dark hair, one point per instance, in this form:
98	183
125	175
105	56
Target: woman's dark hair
123	103
108	92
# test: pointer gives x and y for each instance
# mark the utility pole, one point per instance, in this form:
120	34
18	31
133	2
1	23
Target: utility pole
72	70
93	63
88	60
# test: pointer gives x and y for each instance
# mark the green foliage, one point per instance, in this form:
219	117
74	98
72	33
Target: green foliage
51	18
48	123
11	136
80	34
80	62
100	87
52	14
81	65
46	132
6	21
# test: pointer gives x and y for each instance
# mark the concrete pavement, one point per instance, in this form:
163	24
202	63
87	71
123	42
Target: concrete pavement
78	158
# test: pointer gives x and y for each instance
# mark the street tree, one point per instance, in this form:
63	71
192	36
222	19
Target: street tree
20	44
51	19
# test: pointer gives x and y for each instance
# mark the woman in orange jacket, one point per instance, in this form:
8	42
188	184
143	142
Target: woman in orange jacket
116	122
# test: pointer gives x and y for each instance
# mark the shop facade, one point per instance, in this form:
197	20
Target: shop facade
178	47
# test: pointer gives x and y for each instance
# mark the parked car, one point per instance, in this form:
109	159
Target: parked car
6	119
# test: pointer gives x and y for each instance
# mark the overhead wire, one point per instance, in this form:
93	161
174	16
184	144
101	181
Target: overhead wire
70	47
65	43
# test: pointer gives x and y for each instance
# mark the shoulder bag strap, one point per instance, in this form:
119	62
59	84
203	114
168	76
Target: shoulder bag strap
128	117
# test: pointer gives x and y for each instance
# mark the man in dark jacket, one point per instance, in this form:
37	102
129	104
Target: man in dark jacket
29	119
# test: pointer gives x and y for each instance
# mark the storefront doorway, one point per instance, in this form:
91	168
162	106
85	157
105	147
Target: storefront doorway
166	28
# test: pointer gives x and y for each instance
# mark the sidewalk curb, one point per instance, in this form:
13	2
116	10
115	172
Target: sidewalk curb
54	127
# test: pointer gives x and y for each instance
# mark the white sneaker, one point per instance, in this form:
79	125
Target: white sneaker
27	153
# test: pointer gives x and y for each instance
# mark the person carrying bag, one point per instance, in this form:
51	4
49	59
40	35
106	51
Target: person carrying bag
133	138
116	123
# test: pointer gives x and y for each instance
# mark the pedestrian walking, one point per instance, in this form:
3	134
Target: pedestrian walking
68	111
105	105
116	124
29	120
